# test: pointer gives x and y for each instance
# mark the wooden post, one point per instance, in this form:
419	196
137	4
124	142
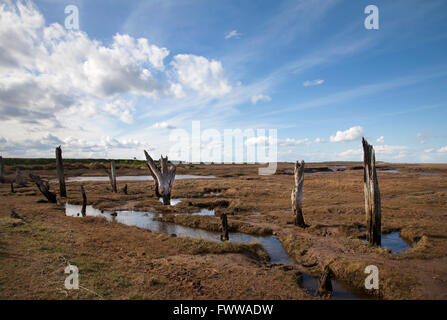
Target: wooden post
163	177
372	195
297	195
2	171
20	180
60	172
112	176
224	236
325	284
44	188
125	189
84	202
12	187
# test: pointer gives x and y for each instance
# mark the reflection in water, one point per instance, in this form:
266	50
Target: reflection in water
394	242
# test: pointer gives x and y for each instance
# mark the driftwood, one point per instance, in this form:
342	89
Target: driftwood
372	195
112	176
60	172
325	284
84	202
297	195
2	171
20	180
44	188
224	236
163	177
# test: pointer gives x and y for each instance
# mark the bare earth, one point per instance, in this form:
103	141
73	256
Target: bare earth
116	261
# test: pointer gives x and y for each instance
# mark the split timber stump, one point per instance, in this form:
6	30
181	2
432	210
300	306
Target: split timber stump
44	188
297	195
163	175
224	236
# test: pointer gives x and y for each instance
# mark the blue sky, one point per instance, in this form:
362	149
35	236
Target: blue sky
309	69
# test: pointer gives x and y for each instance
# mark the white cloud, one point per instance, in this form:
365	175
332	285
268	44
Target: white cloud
386	149
319	140
424	137
260	97
350	153
293	142
232	34
261	140
162	125
348	135
310	83
429	150
200	74
443	149
380	139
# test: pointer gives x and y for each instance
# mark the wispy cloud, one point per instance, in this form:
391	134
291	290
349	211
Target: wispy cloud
310	83
232	34
260	97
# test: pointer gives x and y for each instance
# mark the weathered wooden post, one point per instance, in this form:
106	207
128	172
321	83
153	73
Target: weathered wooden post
60	172
12	187
297	195
163	177
44	188
372	195
325	284
224	236
2	170
84	202
125	189
112	176
20	180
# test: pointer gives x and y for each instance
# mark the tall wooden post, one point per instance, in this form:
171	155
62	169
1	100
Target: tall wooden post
112	176
2	171
297	195
60	172
224	236
84	202
163	177
372	195
20	180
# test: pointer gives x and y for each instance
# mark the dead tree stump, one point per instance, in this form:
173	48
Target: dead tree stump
372	195
112	176
325	284
44	188
60	172
20	180
2	171
224	236
297	195
163	177
84	202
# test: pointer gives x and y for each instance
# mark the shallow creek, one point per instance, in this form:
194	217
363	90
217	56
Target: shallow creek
271	244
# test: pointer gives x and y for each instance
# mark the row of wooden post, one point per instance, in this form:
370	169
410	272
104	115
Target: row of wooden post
371	191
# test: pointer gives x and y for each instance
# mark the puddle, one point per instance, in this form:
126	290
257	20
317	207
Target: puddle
340	290
393	241
388	170
428	174
271	244
173	202
130	178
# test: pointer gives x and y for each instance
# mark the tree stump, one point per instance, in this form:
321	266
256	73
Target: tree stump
372	195
2	171
44	188
297	195
224	236
325	284
112	176
163	177
20	180
84	202
60	172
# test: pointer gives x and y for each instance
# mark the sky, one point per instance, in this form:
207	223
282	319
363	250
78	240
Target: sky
137	74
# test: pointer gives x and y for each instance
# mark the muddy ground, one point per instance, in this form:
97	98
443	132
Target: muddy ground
116	261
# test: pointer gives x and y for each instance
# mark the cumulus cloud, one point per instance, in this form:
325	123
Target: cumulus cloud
443	149
162	125
200	74
348	135
261	140
319	140
350	153
380	139
310	83
260	97
232	34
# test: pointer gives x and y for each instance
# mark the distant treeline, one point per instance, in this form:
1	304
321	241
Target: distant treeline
50	161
